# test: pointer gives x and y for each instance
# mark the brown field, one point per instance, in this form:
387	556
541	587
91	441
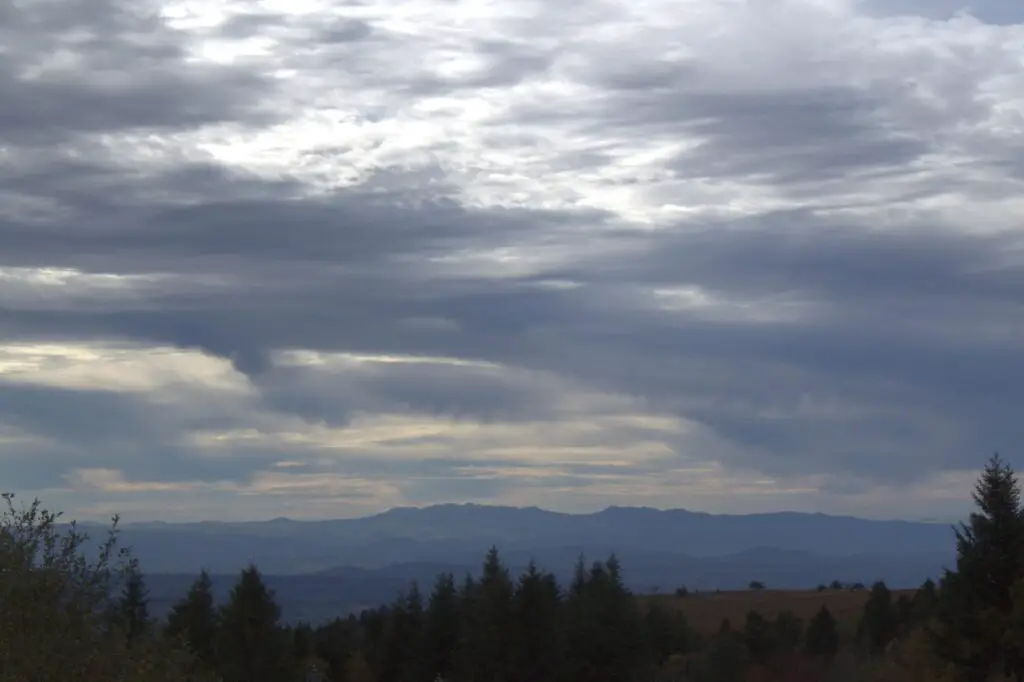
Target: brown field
705	610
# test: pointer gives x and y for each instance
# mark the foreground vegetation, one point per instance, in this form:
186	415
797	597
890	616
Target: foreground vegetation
71	614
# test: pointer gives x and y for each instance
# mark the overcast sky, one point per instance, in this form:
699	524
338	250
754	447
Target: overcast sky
317	259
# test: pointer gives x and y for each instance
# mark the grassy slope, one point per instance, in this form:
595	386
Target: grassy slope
705	610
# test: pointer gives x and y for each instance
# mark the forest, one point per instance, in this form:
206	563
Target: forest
69	613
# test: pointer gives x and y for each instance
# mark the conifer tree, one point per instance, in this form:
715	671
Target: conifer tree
579	622
659	633
374	626
194	619
414	626
334	643
923	603
603	625
666	633
302	642
976	599
441	628
401	658
727	658
538	627
789	631
880	620
415	666
133	607
253	647
468	598
822	636
758	636
487	638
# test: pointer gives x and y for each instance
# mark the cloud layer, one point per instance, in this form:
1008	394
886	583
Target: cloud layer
318	259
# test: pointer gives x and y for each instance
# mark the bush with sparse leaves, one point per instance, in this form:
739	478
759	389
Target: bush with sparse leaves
56	603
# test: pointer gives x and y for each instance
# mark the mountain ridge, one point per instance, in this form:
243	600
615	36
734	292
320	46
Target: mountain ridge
463	532
328	567
462	506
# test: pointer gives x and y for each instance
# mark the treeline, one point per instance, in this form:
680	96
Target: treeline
526	629
65	616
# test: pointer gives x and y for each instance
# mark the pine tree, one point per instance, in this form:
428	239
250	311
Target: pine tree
538	627
727	657
374	626
603	626
468	599
253	647
579	622
660	634
194	619
490	623
822	636
789	631
133	608
923	603
334	642
879	621
401	658
758	636
976	599
416	667
441	636
302	641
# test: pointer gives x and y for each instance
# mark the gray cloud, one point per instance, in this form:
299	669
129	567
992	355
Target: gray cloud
804	137
838	310
438	389
107	66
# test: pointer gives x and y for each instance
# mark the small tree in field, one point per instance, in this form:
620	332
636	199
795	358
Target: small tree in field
879	622
822	637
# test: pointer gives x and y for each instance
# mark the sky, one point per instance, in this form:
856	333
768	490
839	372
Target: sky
313	258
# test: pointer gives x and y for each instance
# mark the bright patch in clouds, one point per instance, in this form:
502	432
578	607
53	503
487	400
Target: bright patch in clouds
316	259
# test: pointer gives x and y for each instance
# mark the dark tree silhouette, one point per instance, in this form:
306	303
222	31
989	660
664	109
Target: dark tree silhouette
132	613
538	627
880	620
442	625
822	637
253	647
976	598
194	619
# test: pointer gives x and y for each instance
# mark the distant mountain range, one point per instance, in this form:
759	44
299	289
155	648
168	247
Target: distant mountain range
325	568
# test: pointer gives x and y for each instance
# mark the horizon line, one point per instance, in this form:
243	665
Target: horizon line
414	508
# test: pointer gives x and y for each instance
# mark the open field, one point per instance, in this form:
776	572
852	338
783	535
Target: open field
705	610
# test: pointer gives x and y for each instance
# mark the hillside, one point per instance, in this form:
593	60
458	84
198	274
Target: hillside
444	532
325	568
705	611
795	546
